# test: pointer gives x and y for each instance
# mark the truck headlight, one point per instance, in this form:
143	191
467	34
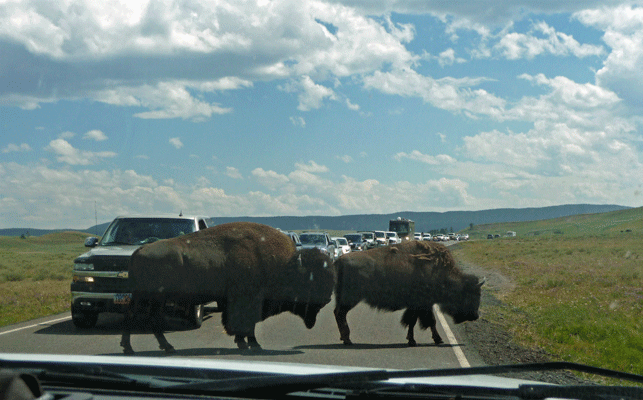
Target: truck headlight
84	279
83	267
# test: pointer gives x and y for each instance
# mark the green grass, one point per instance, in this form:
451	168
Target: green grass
577	296
35	274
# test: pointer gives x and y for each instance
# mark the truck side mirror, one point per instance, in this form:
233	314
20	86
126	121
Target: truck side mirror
91	241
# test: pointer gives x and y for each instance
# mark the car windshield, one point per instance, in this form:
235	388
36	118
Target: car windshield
144	230
502	141
354	238
312	239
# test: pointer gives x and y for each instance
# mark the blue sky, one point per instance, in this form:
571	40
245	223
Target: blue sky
265	108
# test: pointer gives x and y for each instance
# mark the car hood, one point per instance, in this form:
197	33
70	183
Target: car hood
111	251
251	368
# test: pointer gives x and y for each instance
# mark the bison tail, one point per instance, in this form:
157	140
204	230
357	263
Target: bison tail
409	318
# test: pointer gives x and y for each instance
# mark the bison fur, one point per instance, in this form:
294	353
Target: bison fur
253	271
411	276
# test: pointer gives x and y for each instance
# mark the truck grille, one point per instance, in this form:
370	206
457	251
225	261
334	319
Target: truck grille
111	263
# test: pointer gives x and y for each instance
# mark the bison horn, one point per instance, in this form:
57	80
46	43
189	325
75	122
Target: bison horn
482	281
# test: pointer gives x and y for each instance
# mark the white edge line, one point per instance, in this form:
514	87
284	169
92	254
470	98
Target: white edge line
459	354
38	324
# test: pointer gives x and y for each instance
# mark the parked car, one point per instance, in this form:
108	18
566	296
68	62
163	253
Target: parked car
393	238
427	236
356	241
320	240
342	244
417	236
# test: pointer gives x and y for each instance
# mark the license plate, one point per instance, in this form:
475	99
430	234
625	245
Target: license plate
122	298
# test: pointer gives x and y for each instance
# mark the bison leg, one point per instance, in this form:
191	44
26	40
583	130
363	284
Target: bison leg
128	323
409	319
125	338
156	313
240	340
252	342
342	323
427	320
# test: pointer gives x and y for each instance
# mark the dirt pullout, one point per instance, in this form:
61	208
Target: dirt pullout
495	344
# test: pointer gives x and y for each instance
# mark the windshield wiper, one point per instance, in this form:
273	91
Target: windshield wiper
372	381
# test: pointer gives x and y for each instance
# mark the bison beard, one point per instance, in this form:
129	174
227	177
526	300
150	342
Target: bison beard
413	276
253	272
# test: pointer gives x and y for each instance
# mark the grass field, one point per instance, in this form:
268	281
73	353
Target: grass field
578	293
35	274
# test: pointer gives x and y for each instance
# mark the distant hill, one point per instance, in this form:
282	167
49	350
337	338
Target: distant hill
424	221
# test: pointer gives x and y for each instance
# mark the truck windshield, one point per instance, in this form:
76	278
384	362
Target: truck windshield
137	231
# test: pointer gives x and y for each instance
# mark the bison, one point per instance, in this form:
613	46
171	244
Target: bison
414	276
253	271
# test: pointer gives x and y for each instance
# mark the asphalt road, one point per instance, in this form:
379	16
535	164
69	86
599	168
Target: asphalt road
379	341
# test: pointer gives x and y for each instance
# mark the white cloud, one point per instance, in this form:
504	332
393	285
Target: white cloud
447	93
11	148
312	167
298	121
233	173
447	57
623	33
270	179
67	154
440	159
518	45
96	135
310	94
176	142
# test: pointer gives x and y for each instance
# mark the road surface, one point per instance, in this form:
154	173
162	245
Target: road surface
379	340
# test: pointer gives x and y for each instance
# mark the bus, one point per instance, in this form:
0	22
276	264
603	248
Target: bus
405	228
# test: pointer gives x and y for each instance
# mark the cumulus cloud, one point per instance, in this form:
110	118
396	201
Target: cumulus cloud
233	173
16	148
623	33
176	142
96	135
68	154
415	155
518	45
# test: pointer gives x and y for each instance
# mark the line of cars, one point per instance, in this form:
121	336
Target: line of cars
336	246
441	237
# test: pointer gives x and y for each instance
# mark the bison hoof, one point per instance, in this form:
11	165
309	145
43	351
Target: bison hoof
169	349
438	340
242	345
128	351
412	343
348	342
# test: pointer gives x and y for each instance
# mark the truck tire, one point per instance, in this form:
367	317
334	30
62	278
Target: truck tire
84	319
195	316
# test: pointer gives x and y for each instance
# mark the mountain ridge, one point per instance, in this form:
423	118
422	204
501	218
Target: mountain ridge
424	220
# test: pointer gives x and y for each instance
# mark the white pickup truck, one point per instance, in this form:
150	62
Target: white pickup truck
100	281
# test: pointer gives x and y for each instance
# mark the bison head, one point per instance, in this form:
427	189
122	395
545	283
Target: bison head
463	303
312	279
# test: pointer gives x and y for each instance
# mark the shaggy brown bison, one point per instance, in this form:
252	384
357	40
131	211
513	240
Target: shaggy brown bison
252	270
414	276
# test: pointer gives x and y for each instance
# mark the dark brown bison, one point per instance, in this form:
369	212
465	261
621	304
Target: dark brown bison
414	276
253	271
